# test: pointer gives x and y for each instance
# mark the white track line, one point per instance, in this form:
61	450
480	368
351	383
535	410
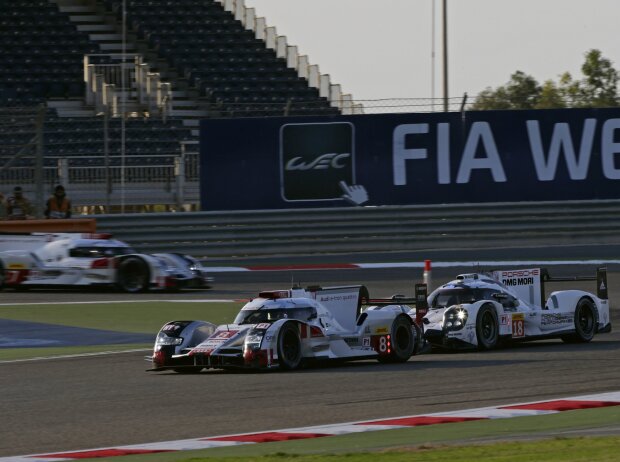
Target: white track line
413	264
77	355
125	301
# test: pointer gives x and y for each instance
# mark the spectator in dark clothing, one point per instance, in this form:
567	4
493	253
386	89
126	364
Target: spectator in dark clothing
17	206
2	207
58	205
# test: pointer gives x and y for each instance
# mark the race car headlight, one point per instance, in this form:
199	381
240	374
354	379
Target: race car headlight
253	340
455	318
163	339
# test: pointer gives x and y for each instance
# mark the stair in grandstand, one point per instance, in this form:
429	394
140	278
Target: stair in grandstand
105	28
205	58
210	47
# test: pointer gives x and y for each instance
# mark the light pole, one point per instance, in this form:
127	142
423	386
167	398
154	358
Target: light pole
123	103
445	55
433	56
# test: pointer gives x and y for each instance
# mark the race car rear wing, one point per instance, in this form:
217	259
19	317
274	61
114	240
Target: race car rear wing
529	284
346	302
600	278
419	302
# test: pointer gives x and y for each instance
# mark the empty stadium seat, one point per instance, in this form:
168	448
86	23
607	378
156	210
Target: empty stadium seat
235	73
42	52
209	47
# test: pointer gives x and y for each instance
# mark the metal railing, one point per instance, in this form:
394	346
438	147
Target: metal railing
125	76
154	180
241	234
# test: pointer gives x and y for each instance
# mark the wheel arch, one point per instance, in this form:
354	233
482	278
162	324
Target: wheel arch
567	301
482	307
594	302
483	304
595	306
295	325
148	264
418	341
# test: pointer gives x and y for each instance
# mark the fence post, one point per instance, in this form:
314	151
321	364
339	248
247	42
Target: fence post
179	173
39	177
63	172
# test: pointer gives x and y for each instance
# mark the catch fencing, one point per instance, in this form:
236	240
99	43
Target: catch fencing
357	230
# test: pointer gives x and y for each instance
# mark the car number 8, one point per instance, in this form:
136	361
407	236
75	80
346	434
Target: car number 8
12	277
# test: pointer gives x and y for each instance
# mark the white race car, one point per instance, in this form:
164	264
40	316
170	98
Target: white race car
480	310
89	259
286	328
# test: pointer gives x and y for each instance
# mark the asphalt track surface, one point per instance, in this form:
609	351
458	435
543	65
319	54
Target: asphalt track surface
90	402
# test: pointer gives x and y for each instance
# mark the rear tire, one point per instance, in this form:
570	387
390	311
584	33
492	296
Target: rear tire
487	328
403	341
418	339
133	275
585	323
289	347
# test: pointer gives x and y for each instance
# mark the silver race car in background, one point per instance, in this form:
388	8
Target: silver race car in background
286	328
479	310
91	259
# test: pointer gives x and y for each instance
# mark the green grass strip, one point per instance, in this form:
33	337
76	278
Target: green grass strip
603	449
138	317
13	354
142	317
541	439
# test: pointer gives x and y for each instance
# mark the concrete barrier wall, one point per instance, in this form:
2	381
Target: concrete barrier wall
238	234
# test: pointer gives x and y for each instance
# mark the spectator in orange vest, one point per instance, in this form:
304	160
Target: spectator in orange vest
2	207
58	205
17	206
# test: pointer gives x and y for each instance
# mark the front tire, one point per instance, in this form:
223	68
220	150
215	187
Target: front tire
403	341
289	347
487	328
585	323
133	275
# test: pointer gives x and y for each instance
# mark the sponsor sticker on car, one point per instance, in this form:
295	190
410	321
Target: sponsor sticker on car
518	325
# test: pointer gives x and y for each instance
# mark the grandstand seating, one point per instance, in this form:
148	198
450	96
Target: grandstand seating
82	138
216	54
41	55
207	53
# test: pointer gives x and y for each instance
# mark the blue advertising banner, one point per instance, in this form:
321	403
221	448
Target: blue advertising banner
404	159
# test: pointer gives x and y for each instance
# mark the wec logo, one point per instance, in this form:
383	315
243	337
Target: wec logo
322	162
315	160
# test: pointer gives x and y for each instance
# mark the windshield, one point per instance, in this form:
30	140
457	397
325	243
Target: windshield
269	316
442	298
99	252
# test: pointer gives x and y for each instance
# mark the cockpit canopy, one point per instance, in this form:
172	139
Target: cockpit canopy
445	297
99	251
270	315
